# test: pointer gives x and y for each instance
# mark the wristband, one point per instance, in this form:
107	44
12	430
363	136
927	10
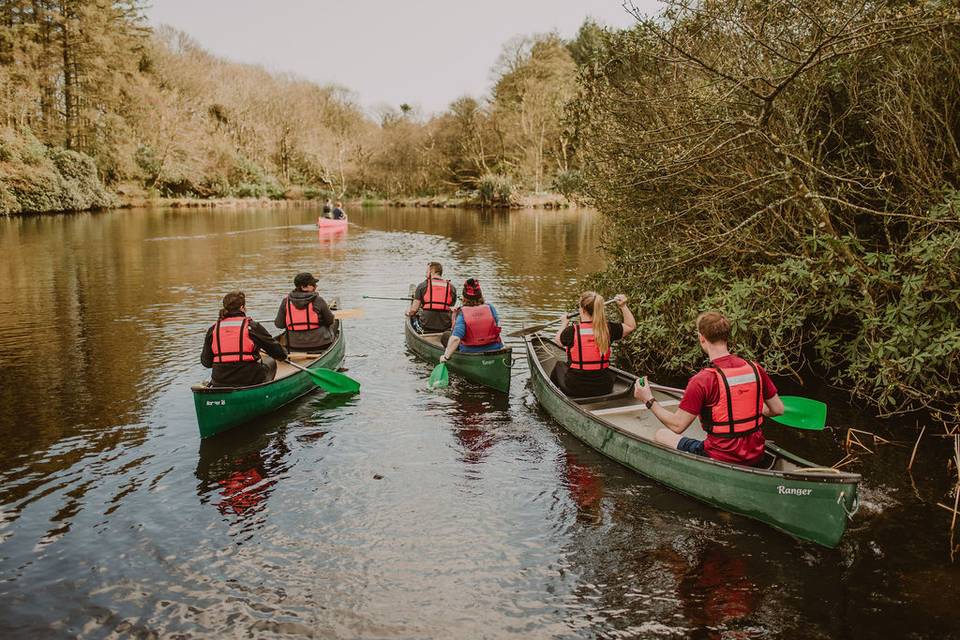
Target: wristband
649	403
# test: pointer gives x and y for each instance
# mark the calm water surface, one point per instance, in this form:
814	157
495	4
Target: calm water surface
400	513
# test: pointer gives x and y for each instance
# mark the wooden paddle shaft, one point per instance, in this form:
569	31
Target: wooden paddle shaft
539	327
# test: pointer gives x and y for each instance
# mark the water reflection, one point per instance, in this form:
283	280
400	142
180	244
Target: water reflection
586	488
401	512
476	416
331	235
238	474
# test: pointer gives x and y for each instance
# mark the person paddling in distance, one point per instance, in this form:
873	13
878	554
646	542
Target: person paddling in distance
731	396
477	325
305	316
587	372
327	208
232	347
338	212
432	301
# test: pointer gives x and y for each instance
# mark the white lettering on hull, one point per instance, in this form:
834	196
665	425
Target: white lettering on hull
793	491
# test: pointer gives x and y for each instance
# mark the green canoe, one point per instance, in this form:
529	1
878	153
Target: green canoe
491	368
219	409
789	493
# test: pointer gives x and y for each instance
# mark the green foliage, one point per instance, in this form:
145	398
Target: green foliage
36	179
311	193
811	198
495	190
569	183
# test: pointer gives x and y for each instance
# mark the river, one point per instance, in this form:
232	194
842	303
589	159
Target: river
398	513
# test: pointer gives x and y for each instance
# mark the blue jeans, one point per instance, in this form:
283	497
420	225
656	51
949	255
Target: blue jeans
692	445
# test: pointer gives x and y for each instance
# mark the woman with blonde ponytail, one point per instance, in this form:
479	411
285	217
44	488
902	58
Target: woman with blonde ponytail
587	369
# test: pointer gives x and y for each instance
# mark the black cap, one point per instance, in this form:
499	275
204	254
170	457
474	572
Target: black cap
304	279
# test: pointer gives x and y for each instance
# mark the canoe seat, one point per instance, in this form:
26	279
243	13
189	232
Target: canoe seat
616	395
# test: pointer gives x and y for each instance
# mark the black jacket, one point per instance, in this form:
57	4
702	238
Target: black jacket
241	374
314	338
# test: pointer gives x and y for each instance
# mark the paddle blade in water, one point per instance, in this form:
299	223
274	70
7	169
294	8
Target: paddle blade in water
333	382
440	378
803	413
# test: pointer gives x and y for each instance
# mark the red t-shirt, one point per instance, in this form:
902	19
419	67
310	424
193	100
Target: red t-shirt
703	393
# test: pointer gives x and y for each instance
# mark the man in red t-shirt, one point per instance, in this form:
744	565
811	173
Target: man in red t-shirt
736	409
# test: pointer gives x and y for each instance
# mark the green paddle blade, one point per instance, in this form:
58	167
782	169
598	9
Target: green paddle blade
439	378
333	382
803	413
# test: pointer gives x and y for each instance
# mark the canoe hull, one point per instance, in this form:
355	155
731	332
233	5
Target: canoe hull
219	410
489	369
810	508
328	224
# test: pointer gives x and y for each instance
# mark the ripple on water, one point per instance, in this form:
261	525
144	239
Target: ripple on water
400	513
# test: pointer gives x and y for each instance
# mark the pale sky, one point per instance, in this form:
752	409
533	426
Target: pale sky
424	52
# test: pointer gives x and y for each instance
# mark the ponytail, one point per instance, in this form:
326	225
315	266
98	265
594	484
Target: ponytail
592	302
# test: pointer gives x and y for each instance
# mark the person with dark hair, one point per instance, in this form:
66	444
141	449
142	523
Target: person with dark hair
232	347
433	301
327	208
731	396
305	316
587	372
477	325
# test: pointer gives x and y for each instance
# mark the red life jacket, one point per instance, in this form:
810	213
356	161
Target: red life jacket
301	319
482	328
584	353
232	341
740	409
439	295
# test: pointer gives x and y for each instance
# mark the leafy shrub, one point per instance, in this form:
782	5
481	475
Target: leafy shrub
37	179
495	190
569	183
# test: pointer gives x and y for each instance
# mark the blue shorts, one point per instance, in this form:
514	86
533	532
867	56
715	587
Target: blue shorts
692	445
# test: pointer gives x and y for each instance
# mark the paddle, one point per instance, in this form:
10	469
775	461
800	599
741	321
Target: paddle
439	377
798	412
386	298
540	327
330	381
803	413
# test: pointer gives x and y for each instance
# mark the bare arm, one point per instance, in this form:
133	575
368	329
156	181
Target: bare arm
629	322
414	307
452	345
564	323
677	421
773	406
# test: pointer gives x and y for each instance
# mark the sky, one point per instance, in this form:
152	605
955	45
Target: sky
423	52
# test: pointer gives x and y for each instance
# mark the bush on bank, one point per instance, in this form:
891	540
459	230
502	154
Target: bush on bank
801	178
36	178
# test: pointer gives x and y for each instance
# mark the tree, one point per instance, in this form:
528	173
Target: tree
796	165
536	82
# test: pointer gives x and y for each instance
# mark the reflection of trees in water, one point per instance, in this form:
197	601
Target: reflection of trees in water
534	250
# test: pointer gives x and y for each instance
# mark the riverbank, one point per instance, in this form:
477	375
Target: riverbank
131	199
473	201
